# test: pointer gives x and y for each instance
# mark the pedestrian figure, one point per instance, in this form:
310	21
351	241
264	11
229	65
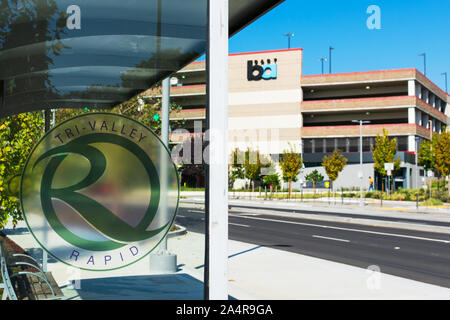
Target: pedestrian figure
370	183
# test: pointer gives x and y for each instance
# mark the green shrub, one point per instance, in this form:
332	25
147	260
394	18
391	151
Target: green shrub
431	202
441	196
398	197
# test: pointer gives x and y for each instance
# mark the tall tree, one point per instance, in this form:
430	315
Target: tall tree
384	152
291	164
334	164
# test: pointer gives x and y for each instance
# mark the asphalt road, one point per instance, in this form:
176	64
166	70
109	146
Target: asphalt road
417	255
348	215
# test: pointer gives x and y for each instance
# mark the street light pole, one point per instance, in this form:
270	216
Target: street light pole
445	76
322	60
424	55
289	35
361	175
417	172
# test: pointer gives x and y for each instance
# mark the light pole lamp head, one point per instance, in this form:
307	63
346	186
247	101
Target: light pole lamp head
361	121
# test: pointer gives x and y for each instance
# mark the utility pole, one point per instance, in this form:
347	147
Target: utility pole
329	57
361	175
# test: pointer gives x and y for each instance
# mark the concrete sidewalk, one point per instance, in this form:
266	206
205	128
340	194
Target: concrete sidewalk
255	272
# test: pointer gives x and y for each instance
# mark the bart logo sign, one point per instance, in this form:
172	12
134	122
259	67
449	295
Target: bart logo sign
92	190
266	71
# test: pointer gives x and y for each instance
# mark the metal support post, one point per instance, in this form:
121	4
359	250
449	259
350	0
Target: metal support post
163	261
216	195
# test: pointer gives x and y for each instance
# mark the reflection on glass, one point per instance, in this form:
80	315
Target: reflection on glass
93	187
115	52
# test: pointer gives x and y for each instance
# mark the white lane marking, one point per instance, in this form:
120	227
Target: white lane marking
328	238
397	248
239	225
197	211
180	216
344	229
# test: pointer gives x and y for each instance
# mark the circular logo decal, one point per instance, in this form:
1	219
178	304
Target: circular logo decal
99	191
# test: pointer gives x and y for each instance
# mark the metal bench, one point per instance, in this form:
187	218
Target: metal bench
19	284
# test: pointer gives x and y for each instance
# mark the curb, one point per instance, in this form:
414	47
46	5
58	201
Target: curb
360	219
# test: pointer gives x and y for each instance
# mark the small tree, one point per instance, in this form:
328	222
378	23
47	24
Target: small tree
426	155
236	166
253	164
192	169
441	147
272	179
384	152
314	176
333	165
291	163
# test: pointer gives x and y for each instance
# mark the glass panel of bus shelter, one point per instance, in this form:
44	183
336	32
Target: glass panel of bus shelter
96	54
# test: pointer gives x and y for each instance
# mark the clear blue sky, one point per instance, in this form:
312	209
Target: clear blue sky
408	28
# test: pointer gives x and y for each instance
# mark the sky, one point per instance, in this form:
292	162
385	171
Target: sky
407	29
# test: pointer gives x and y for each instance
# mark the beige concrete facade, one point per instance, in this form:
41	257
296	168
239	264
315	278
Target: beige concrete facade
265	114
362	77
368	130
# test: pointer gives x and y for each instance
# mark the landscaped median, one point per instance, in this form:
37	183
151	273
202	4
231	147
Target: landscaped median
439	198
